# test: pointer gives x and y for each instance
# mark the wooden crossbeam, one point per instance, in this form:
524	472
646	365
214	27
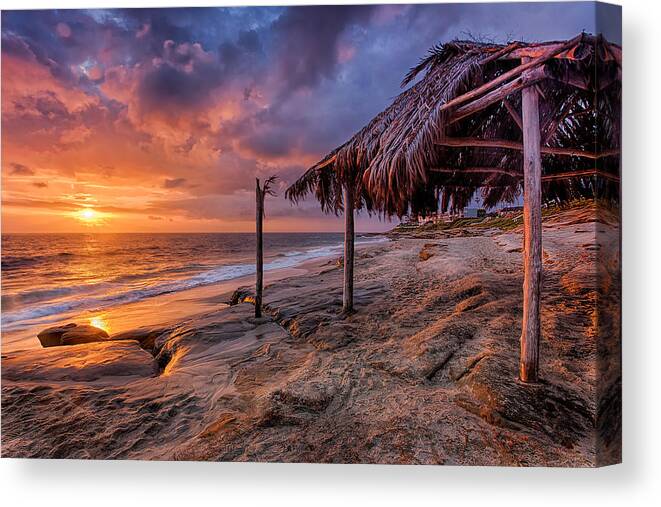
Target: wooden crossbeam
519	174
473	142
477	170
513	113
511	74
535	51
518	83
577	174
614	52
501	53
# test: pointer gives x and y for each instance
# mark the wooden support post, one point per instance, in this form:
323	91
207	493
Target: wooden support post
259	260
347	294
532	238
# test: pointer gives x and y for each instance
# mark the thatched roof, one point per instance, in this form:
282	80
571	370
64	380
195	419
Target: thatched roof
455	131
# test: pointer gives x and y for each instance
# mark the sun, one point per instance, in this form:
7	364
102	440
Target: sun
88	215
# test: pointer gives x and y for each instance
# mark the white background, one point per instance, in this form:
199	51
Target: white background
636	482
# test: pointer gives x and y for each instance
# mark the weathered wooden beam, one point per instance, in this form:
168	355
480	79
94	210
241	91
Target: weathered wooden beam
540	92
513	113
500	94
501	53
532	238
473	142
531	51
511	74
518	174
476	170
259	250
580	174
519	83
349	238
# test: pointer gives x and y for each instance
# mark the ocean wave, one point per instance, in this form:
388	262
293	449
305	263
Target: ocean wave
10	262
39	295
14	319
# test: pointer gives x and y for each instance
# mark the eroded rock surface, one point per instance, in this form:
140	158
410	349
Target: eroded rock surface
423	372
71	334
105	362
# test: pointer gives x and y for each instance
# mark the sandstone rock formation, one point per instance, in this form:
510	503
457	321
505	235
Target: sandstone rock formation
71	334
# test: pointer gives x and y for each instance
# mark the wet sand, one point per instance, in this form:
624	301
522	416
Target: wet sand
424	371
163	310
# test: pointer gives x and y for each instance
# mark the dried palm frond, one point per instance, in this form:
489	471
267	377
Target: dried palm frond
393	162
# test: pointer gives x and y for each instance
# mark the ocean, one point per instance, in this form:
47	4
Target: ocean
47	278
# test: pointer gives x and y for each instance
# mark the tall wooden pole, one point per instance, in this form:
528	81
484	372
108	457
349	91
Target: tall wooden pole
347	294
532	237
259	261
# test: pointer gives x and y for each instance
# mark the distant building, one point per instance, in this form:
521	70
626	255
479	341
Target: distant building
474	213
430	218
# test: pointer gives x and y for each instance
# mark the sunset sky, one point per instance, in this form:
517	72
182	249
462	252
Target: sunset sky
159	120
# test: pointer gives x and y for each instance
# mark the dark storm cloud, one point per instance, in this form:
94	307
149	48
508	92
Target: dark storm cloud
249	40
242	52
296	81
15	45
209	26
187	72
306	40
62	39
170	87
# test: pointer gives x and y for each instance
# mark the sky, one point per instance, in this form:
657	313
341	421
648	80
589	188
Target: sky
159	120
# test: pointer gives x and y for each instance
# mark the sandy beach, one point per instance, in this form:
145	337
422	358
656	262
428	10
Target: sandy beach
165	310
423	372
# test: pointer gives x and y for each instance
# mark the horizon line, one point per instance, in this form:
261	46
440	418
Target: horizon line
186	232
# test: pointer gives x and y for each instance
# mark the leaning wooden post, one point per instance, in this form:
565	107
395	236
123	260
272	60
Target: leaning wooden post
532	237
347	294
259	264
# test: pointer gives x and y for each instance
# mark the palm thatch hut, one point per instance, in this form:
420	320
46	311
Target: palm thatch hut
542	119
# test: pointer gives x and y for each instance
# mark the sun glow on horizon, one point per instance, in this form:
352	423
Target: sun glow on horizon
89	216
